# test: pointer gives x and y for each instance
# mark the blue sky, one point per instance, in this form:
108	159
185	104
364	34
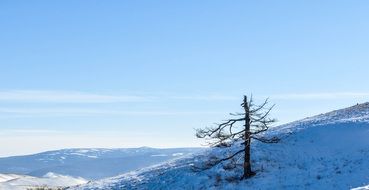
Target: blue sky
146	73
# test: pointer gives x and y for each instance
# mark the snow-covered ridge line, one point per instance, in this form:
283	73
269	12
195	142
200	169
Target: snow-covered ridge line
356	113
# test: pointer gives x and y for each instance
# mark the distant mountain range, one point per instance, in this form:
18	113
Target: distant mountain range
90	164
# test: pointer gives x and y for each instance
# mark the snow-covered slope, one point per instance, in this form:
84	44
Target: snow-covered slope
361	188
50	180
328	151
89	163
7	177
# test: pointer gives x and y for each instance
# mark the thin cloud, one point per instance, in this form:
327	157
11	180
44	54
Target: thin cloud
206	98
83	97
46	112
65	97
320	96
7	132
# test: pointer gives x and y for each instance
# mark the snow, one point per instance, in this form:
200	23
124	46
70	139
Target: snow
85	150
7	177
159	155
329	151
178	154
355	114
93	157
82	154
361	188
51	180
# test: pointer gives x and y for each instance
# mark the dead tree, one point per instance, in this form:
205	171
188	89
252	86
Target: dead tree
255	119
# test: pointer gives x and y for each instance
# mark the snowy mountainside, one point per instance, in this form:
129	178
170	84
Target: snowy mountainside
50	180
7	177
328	151
353	114
89	163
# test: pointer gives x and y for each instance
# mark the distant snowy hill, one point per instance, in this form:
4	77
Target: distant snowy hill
50	180
329	151
89	163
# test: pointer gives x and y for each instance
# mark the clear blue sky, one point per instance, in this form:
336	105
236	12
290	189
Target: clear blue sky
146	73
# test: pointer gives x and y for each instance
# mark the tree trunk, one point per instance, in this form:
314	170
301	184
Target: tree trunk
247	157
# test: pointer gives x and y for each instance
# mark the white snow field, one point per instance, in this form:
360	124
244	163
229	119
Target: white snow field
361	188
329	151
50	180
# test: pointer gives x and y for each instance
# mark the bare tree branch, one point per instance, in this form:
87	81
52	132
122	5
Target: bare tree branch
255	121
